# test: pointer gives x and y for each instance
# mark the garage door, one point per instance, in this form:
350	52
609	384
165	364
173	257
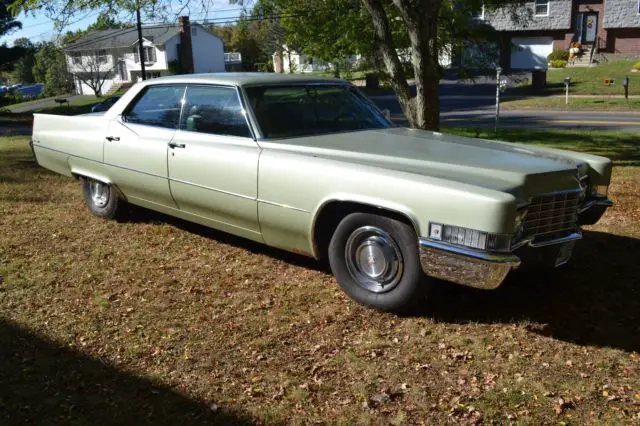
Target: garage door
530	52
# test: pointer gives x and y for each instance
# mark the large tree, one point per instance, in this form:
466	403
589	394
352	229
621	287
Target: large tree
51	69
8	23
23	66
405	38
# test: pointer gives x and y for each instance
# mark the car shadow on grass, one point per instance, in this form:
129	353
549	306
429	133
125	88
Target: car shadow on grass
44	383
594	300
135	214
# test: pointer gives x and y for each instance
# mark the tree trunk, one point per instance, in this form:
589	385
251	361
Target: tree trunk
389	56
421	19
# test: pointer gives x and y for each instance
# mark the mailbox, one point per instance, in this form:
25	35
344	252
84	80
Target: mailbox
504	83
625	82
567	81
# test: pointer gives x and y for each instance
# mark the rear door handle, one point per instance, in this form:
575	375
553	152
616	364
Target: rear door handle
176	145
113	138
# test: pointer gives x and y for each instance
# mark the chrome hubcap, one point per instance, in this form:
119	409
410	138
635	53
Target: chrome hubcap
99	193
374	259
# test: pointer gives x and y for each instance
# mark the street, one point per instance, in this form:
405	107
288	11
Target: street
478	110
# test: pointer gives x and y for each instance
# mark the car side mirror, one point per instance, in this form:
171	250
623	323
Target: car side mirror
387	114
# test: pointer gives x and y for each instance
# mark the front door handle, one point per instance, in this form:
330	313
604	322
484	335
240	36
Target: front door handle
113	138
176	145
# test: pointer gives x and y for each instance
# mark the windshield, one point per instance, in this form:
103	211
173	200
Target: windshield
302	110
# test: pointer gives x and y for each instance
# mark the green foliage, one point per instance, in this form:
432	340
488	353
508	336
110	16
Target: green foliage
256	39
10	98
23	66
8	55
636	66
329	30
558	55
51	69
558	63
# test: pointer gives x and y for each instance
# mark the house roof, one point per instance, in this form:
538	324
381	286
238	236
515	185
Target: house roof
105	39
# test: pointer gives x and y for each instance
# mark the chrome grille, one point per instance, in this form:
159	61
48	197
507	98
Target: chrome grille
552	213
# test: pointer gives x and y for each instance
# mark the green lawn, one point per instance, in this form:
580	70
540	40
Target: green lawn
622	147
78	106
599	103
589	80
21	104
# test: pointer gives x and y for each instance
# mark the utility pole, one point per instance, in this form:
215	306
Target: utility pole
143	71
498	75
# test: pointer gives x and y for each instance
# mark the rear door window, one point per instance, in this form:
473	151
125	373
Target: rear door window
157	106
215	110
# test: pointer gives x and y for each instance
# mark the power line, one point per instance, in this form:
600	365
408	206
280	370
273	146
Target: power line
92	41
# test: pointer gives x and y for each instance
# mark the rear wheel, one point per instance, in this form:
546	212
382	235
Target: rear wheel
375	260
100	197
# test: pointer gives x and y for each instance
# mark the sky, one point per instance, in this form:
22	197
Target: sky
40	28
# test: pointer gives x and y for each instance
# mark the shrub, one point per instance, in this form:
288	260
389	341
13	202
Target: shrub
558	63
636	66
558	55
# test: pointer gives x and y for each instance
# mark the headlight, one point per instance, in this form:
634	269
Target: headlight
469	237
599	190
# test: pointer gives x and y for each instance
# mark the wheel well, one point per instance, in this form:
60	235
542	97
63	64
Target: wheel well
119	193
333	212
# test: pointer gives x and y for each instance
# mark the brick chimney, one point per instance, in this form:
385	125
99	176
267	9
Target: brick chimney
186	49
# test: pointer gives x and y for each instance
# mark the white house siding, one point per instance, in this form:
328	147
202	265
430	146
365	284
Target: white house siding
208	51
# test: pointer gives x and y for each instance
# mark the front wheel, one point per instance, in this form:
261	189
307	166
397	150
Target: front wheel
375	260
100	197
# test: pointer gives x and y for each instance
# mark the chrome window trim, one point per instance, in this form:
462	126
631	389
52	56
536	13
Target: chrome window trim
226	86
258	131
252	121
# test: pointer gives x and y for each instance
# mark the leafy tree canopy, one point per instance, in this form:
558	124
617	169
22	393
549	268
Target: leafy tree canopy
8	23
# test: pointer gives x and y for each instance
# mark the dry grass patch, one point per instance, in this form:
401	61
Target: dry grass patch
155	320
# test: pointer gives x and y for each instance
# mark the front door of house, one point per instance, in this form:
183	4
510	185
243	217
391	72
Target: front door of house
122	71
590	27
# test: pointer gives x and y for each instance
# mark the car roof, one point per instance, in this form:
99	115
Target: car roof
243	79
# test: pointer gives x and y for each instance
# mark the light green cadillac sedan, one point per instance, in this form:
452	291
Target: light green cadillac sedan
312	166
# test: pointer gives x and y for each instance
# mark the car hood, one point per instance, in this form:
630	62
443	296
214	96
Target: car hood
507	167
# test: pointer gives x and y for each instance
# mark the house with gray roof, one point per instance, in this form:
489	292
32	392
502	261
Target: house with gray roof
105	61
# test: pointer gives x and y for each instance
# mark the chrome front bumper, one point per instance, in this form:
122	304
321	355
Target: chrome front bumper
473	268
487	270
481	269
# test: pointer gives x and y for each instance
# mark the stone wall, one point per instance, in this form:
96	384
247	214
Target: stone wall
621	14
559	18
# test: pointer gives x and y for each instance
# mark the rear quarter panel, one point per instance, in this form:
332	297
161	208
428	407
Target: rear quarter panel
70	144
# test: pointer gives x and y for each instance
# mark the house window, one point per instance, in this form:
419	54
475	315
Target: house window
149	53
541	7
102	56
76	58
